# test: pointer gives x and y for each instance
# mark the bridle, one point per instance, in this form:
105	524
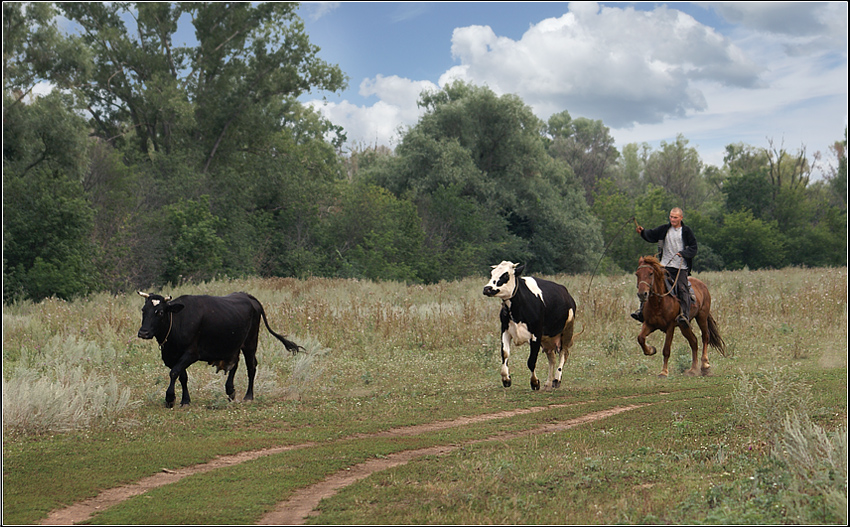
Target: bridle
651	289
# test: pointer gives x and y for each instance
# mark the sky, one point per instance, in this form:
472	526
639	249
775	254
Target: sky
716	73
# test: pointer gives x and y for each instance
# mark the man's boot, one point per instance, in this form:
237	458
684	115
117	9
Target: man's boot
683	320
638	315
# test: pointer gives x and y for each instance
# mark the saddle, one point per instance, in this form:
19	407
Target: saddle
691	294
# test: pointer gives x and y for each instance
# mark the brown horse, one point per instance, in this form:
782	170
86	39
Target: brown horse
661	308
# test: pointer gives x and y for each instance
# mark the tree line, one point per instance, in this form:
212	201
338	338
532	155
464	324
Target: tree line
152	163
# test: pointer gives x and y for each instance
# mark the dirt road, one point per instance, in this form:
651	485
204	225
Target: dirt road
303	502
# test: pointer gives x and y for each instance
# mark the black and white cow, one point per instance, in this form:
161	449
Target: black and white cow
212	329
539	312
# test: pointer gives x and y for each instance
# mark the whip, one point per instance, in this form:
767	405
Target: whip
634	219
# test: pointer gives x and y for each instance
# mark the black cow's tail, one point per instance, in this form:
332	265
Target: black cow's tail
291	346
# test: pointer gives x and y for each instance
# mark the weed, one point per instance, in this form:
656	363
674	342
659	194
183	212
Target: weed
762	400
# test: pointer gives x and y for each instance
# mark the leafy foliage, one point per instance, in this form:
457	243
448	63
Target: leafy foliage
198	160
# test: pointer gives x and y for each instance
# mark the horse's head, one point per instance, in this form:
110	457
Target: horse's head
650	276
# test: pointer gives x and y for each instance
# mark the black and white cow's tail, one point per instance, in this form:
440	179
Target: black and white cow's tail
291	346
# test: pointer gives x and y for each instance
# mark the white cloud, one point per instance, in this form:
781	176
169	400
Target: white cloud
649	75
615	64
380	122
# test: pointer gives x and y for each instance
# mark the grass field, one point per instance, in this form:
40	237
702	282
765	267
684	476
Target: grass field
392	368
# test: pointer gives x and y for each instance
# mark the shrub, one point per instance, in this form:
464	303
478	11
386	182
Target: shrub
71	398
817	461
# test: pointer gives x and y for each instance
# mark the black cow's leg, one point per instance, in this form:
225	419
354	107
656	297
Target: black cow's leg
169	392
184	383
251	364
170	396
228	384
532	362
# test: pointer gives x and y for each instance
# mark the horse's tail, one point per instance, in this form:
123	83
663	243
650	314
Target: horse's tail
714	338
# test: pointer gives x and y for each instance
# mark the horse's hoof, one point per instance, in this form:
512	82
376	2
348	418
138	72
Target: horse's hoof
535	386
556	384
662	375
690	373
706	372
506	383
650	352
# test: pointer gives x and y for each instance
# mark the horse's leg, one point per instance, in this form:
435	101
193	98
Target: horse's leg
668	341
692	340
644	332
702	320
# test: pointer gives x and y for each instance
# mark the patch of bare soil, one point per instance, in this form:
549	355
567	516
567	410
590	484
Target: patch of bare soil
303	502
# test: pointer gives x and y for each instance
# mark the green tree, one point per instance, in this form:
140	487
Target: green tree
586	146
195	249
746	241
221	97
47	221
490	152
678	169
34	51
372	234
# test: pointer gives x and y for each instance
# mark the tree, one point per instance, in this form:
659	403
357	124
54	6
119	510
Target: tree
678	169
372	234
746	241
47	222
488	152
586	146
35	51
224	96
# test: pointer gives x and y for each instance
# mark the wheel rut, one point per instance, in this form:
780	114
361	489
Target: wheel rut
302	504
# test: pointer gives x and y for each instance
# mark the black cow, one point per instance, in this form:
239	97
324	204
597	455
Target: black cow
536	311
194	328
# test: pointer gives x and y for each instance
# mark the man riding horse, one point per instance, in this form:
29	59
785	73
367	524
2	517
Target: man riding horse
677	247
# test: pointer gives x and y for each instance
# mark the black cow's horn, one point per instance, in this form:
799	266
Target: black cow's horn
143	294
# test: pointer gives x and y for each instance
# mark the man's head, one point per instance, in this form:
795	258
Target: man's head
676	216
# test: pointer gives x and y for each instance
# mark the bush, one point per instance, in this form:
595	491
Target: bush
817	462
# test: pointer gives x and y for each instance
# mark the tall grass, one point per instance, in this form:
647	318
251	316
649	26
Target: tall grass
775	406
364	336
383	355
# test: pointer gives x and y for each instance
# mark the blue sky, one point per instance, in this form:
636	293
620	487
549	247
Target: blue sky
717	73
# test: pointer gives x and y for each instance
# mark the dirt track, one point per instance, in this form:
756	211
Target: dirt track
303	502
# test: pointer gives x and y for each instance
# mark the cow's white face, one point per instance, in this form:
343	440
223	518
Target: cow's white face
502	282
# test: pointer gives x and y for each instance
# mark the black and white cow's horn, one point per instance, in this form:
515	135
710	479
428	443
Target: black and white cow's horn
166	299
143	294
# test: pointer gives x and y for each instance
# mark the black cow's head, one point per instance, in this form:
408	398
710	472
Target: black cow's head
156	318
503	280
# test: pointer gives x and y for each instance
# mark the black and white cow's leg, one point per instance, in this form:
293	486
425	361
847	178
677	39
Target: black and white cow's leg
565	340
550	377
553	350
506	354
532	362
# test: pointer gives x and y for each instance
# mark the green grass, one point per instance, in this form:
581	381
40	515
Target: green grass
385	355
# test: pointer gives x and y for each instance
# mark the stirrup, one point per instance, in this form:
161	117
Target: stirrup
682	320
